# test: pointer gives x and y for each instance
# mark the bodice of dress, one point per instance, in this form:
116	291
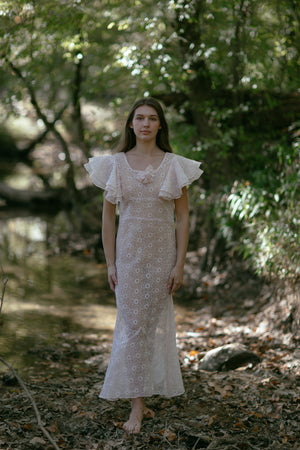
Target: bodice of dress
140	192
121	182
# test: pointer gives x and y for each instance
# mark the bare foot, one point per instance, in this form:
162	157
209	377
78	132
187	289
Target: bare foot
138	412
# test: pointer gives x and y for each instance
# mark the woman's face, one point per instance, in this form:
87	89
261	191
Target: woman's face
145	123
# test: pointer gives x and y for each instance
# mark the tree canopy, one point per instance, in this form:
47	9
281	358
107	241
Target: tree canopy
227	71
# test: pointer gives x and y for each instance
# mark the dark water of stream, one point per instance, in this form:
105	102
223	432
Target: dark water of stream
47	294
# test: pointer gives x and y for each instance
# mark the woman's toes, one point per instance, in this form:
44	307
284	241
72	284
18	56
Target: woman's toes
132	426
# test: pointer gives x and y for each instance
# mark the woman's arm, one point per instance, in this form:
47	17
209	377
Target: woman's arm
109	240
182	238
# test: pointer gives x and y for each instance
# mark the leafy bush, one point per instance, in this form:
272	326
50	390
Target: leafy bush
260	217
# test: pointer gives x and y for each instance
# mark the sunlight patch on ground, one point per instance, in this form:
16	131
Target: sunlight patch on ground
88	316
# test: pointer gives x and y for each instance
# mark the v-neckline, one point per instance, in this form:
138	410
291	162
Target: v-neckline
146	168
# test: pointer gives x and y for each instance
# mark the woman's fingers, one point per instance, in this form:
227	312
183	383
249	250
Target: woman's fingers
173	284
112	283
175	287
170	283
112	278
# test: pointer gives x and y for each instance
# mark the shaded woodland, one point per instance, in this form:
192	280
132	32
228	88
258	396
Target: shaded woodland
227	74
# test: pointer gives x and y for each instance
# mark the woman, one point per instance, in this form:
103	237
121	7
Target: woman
145	263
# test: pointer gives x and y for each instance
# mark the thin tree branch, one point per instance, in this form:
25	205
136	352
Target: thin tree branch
49	125
77	106
42	136
21	383
2	295
38	416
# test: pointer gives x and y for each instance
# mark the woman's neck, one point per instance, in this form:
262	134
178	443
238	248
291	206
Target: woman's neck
147	149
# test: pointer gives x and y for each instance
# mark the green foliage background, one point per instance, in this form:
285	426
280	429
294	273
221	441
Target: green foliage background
228	73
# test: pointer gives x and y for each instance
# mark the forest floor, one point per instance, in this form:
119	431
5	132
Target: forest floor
251	407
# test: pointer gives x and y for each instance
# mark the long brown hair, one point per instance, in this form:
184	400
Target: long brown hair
128	139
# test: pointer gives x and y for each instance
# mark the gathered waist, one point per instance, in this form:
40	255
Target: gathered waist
135	220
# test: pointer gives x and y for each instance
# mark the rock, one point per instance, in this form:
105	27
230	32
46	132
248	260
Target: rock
228	357
9	379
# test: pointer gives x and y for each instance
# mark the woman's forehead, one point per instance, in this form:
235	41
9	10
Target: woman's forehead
145	110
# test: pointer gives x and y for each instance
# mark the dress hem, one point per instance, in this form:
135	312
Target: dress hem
110	399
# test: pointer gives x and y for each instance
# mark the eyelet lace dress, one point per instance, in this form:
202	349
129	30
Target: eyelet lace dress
144	360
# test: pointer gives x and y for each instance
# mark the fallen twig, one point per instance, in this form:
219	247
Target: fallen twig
38	416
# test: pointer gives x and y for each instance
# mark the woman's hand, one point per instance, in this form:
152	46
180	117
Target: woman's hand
175	279
112	277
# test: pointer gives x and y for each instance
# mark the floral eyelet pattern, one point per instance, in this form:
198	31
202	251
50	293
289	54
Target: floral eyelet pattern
144	360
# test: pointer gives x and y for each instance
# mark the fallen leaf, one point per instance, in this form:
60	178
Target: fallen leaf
27	426
118	424
211	420
168	434
240	424
52	428
37	441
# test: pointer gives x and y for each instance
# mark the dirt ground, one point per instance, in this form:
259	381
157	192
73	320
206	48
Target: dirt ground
252	407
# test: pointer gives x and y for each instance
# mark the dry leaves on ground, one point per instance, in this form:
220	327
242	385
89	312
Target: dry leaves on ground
251	407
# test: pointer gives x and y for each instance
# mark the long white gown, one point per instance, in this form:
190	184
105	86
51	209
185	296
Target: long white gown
144	360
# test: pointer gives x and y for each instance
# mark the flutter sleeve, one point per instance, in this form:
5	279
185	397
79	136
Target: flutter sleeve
182	172
103	172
